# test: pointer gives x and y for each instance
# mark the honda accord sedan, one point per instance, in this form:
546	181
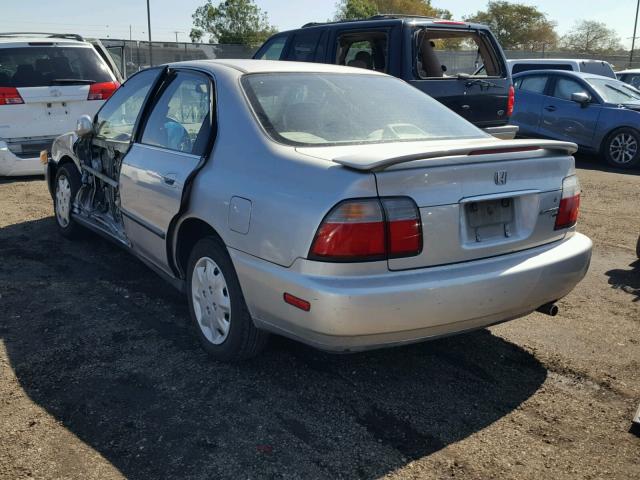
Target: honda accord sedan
337	206
600	114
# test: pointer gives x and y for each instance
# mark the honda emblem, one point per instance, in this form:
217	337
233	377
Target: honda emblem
500	177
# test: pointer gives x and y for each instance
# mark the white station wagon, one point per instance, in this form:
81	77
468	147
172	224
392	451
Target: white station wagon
333	205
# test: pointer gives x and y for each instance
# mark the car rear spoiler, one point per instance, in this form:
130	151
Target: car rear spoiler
465	154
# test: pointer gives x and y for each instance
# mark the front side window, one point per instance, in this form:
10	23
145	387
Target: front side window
442	53
367	50
273	49
565	87
337	109
181	119
117	118
39	66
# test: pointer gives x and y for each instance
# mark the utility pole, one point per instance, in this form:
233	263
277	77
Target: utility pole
149	31
130	36
176	32
633	41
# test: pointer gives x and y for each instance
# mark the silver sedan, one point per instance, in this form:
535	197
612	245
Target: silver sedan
337	206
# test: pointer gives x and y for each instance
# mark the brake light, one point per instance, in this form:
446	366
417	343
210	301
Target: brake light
369	229
569	203
511	101
10	96
102	90
449	22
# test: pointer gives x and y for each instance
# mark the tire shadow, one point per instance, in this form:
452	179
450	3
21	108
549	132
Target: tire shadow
626	280
106	348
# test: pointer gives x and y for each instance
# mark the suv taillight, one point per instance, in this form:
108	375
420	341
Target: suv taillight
102	90
10	96
511	100
569	203
369	229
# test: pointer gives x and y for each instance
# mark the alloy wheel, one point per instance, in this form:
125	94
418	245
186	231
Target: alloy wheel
211	302
623	148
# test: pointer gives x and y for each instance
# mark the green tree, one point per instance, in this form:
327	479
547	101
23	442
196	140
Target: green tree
589	36
357	9
517	27
232	21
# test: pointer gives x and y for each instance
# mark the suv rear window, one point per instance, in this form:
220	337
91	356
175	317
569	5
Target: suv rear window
39	66
444	53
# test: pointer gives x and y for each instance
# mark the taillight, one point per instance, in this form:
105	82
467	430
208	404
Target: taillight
511	101
369	229
102	90
10	96
569	203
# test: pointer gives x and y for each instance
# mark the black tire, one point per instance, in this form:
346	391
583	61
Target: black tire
243	339
614	139
69	172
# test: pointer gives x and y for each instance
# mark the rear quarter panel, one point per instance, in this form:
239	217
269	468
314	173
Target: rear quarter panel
611	118
289	193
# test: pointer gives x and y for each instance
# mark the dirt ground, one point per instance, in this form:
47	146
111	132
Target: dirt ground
102	378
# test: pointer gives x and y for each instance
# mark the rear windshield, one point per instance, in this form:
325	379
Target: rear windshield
38	66
597	68
338	109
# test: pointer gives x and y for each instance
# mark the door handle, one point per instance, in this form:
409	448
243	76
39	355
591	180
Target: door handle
169	179
550	108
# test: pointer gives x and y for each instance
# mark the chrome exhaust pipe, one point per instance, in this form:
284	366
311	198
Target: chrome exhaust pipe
550	309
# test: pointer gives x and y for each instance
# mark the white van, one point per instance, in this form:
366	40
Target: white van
46	82
597	67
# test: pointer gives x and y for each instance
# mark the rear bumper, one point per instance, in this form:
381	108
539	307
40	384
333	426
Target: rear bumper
12	166
350	313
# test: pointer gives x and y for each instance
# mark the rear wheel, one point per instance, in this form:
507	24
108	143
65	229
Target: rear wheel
66	186
622	148
217	307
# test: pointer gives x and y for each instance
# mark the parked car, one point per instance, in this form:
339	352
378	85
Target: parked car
337	206
600	114
597	67
46	82
632	77
439	57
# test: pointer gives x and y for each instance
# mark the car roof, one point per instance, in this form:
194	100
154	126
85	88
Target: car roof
390	19
630	70
555	60
567	73
243	66
24	39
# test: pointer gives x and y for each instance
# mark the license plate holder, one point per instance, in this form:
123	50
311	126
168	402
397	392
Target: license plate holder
489	212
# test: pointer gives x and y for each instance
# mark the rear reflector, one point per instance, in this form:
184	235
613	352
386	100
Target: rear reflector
297	302
569	204
368	230
10	96
102	90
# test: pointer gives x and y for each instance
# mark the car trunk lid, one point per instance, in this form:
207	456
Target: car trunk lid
477	199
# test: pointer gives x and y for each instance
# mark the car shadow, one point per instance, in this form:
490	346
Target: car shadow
589	161
626	280
105	347
30	178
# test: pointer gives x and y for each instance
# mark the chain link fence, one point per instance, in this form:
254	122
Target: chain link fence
132	55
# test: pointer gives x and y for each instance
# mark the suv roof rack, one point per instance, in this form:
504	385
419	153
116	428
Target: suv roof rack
69	36
380	16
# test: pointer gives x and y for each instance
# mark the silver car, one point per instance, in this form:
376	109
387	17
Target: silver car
336	206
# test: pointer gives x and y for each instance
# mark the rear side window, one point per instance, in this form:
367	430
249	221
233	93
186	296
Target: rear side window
273	49
526	67
442	53
181	119
532	84
303	46
367	50
39	66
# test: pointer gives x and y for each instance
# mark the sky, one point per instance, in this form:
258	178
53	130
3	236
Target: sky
112	18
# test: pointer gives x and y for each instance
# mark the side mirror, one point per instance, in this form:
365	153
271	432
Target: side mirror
84	126
581	97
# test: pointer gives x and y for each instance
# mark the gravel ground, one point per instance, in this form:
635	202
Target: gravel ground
101	376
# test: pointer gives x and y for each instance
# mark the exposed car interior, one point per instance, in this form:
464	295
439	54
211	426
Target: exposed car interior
446	53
